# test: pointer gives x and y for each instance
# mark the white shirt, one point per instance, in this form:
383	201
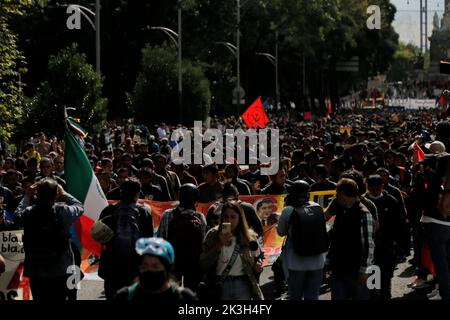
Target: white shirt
225	255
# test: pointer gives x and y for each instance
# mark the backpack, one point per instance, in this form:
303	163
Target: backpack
45	236
125	222
309	233
185	233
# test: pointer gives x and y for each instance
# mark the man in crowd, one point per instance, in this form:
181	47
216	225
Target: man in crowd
48	252
211	189
58	162
231	174
185	229
320	174
30	153
142	154
352	245
43	147
46	171
278	183
184	176
129	222
390	219
173	182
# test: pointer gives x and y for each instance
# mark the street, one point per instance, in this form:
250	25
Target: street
404	274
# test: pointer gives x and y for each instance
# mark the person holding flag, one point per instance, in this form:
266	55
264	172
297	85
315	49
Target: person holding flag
82	183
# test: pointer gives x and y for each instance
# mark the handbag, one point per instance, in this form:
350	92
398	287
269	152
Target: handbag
211	291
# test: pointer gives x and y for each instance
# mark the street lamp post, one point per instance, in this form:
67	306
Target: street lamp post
274	61
97	37
176	39
83	10
180	77
233	49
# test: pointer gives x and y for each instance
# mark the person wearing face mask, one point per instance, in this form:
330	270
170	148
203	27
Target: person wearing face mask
352	244
155	282
387	236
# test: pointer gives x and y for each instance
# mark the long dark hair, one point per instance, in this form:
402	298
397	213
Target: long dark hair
242	232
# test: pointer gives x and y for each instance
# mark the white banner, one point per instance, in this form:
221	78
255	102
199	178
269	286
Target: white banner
412	103
12	284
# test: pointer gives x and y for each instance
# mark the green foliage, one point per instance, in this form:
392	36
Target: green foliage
404	59
71	82
321	31
155	96
12	66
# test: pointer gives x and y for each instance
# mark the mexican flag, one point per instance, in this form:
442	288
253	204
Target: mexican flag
83	185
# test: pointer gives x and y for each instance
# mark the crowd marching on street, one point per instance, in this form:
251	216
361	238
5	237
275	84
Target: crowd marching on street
390	172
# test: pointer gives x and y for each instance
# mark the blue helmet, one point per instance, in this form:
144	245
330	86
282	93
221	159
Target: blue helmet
156	247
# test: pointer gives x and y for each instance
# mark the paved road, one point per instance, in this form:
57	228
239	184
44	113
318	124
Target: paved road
404	274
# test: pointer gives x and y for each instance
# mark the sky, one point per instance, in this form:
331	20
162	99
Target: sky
407	18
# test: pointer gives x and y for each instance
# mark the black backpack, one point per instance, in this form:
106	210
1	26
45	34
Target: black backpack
186	236
309	233
45	236
125	223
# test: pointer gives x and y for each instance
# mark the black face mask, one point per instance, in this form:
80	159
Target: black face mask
152	280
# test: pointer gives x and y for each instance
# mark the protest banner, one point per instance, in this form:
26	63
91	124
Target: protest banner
13	286
272	241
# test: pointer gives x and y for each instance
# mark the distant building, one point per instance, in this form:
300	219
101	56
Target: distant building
440	41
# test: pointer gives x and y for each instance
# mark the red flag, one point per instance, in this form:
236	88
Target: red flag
255	116
330	108
419	155
441	101
307	116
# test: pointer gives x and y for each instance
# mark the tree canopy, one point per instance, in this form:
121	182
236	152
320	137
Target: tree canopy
313	35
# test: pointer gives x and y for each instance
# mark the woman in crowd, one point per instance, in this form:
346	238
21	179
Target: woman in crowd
231	257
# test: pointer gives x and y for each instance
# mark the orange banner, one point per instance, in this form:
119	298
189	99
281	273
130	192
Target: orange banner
268	208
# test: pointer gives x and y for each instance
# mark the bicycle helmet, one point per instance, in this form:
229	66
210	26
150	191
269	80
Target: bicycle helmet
156	247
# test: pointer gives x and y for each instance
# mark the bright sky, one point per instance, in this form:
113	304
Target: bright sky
407	18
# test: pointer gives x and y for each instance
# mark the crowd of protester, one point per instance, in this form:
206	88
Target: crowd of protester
385	206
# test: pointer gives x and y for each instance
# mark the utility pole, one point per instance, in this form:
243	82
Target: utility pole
180	66
97	37
238	59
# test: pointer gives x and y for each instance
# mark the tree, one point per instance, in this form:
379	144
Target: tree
404	59
71	82
12	66
155	96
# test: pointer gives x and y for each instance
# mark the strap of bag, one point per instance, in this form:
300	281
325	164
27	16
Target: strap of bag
230	264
